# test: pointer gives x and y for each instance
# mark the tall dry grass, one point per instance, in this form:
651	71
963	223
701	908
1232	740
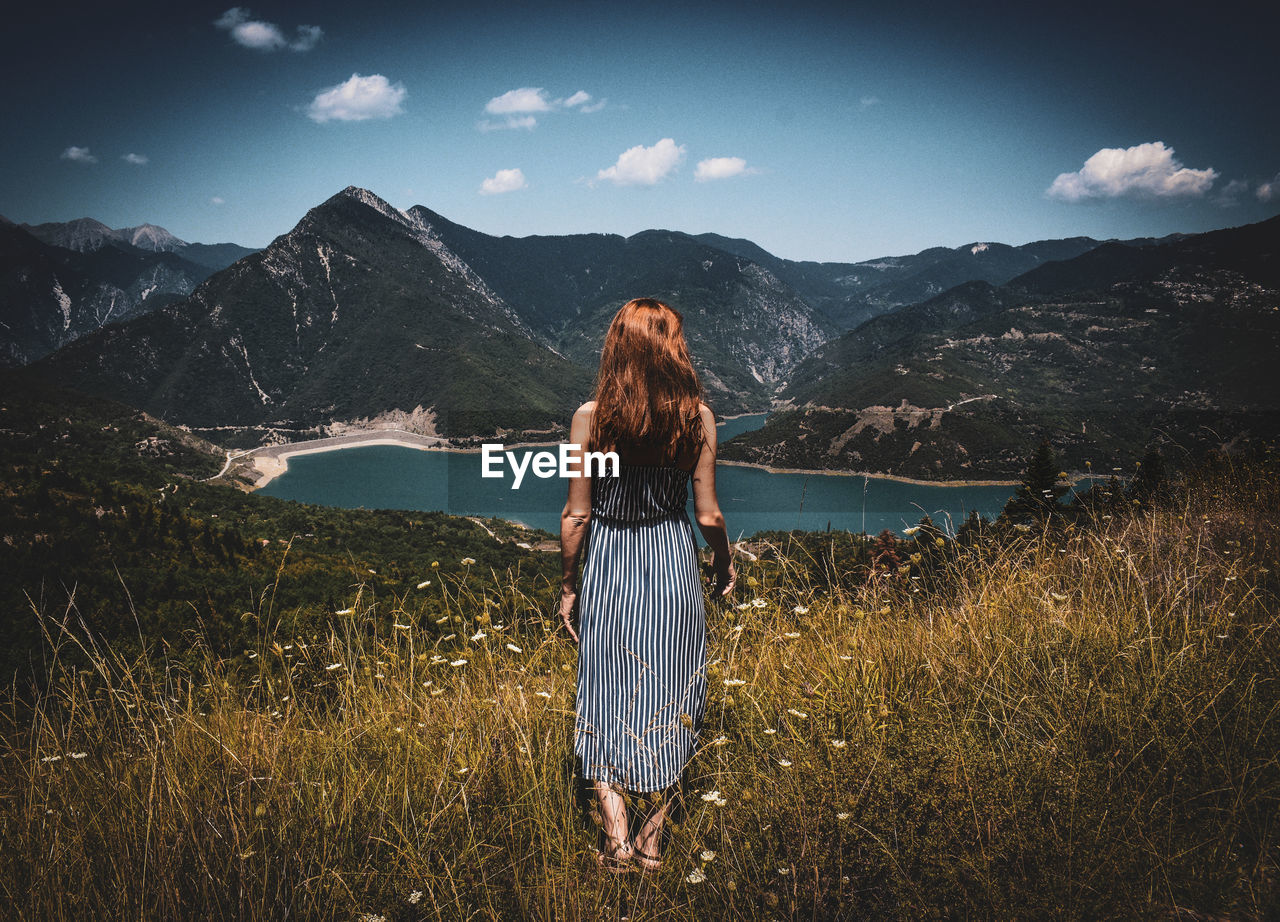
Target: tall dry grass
1071	723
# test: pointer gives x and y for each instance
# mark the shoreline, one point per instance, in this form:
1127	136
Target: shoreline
270	461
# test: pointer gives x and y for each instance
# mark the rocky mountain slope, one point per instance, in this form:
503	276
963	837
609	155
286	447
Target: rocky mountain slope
66	280
359	310
1172	343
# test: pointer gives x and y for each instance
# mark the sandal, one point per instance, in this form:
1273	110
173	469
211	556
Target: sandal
646	861
617	858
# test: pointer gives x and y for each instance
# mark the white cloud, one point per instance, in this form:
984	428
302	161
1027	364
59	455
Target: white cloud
264	36
521	107
525	99
511	121
358	99
1145	170
720	168
503	181
78	155
1230	194
217	200
307	38
644	166
1269	190
869	101
136	159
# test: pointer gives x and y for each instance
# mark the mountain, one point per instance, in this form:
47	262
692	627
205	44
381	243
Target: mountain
61	281
1172	342
85	235
359	311
747	329
849	294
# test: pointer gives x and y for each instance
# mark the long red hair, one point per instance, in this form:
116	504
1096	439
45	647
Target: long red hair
647	393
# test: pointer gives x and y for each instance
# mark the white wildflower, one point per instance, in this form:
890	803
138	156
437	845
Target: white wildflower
448	637
333	666
791	635
759	603
707	855
801	610
733	683
423	585
400	627
458	662
741	605
52	759
911	531
478	636
770	731
468	561
415	896
801	714
346	611
78	755
785	763
514	649
842	816
839	744
720	741
696	876
544	694
437	692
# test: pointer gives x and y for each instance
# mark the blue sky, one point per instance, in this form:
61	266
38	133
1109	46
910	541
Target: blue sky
820	132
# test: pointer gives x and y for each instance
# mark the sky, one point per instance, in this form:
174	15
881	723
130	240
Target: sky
826	132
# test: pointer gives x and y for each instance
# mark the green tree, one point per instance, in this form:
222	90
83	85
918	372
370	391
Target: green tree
1037	496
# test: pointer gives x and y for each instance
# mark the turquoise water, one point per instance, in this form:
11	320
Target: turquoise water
392	477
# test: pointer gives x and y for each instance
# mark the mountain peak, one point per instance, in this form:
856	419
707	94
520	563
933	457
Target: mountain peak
151	237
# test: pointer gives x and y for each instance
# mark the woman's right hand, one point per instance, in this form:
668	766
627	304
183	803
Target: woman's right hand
726	578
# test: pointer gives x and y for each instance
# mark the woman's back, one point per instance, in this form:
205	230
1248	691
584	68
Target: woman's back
640	493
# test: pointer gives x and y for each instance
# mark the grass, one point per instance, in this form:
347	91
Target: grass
1076	722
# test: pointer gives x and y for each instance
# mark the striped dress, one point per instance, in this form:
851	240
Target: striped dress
642	688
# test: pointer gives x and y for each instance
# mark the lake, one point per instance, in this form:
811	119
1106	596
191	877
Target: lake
753	500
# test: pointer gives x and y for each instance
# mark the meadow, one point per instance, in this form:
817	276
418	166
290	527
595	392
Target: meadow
1079	719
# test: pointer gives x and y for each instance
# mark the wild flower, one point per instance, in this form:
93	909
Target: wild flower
696	876
800	610
458	662
759	603
839	744
785	763
707	855
437	692
442	620
543	694
911	531
784	871
435	564
468	561
741	605
78	755
801	714
414	897
842	816
333	666
733	683
54	758
448	637
770	731
478	636
345	611
720	741
791	635
1057	596
400	627
423	585
514	649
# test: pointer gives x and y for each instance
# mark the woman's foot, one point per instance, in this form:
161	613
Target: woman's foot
616	858
647	860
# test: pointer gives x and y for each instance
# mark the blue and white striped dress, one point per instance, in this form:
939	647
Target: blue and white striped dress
642	686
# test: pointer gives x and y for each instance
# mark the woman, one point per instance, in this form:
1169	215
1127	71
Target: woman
642	684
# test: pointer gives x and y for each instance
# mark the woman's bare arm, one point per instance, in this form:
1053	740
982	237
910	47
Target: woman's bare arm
576	515
706	508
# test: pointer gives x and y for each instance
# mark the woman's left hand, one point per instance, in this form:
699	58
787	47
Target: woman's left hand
568	599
